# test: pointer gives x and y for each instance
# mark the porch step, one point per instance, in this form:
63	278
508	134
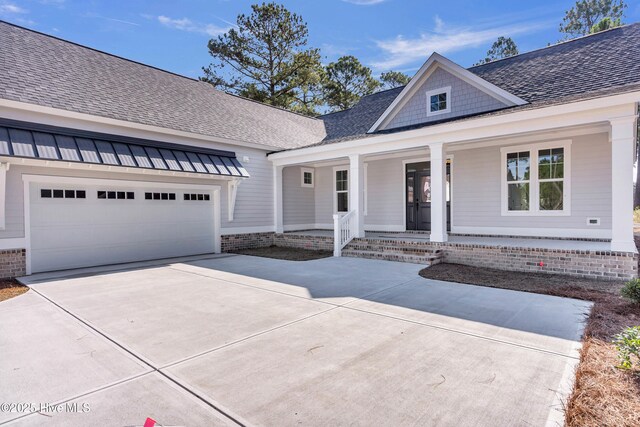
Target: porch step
402	251
426	259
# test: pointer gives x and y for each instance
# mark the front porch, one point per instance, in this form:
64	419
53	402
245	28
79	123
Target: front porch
581	258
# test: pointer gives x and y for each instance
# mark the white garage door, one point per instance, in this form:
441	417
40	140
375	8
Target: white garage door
87	225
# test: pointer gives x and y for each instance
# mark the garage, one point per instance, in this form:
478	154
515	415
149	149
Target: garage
83	221
86	225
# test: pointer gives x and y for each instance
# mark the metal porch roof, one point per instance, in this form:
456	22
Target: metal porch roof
26	140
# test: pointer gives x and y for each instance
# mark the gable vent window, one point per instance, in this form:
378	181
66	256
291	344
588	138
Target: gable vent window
116	195
160	196
202	197
439	101
63	194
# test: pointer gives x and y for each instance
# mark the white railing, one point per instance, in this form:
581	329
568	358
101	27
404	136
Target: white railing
344	229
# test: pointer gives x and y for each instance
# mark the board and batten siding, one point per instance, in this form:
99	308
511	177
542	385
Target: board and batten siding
298	201
465	99
477	187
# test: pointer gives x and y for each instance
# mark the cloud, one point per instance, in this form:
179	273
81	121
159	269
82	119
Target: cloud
185	24
364	2
10	8
401	51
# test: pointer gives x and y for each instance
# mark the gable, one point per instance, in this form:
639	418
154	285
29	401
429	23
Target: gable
465	99
468	94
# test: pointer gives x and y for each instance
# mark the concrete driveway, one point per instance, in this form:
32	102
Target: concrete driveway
241	340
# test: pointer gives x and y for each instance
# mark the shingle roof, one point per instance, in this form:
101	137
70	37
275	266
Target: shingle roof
47	71
593	66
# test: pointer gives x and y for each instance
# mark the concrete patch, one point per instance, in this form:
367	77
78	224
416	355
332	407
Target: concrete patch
165	315
545	322
46	355
346	367
130	403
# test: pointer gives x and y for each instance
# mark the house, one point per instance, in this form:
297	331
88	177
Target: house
525	163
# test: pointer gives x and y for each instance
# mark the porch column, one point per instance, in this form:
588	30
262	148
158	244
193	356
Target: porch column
623	141
438	193
277	199
356	191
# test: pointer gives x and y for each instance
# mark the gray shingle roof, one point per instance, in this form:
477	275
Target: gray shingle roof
47	71
593	66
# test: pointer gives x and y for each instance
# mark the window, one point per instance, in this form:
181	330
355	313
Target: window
159	196
202	197
47	193
535	179
112	195
307	177
439	101
342	190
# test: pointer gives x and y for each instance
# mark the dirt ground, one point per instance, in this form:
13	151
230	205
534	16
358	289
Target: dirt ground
10	288
603	394
290	254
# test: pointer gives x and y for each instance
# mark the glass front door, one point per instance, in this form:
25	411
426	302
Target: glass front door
418	196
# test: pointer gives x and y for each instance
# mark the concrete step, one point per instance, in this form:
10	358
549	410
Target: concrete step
426	259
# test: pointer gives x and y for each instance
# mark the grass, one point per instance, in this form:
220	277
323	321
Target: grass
603	395
289	254
10	288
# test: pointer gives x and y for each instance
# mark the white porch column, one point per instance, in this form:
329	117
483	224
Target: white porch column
438	193
623	142
277	199
356	191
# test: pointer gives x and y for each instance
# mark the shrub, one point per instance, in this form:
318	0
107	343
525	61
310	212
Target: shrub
631	290
628	345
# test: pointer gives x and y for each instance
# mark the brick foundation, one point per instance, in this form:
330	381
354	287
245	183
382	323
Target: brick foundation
13	263
606	265
304	242
234	242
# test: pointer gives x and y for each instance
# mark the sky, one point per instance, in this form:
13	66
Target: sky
384	34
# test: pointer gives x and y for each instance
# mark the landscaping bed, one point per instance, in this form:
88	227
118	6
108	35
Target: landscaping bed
603	395
289	254
10	288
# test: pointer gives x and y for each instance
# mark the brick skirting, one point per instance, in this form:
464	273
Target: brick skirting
234	242
304	242
13	263
606	265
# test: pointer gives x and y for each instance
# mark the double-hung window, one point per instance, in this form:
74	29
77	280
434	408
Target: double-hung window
536	179
341	201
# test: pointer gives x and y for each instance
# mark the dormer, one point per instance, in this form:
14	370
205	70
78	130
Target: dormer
443	90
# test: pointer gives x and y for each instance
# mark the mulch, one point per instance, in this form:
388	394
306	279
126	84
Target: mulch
289	254
10	288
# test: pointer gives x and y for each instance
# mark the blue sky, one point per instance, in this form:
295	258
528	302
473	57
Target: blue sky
383	34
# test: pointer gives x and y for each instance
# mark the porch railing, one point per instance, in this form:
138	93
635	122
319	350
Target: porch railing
344	229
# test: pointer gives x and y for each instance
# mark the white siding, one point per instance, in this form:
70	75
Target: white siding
298	201
476	188
385	195
465	99
324	196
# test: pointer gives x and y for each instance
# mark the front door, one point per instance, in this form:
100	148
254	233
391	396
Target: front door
418	196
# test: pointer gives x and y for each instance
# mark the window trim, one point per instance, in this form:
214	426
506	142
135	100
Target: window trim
446	90
313	177
534	182
335	191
